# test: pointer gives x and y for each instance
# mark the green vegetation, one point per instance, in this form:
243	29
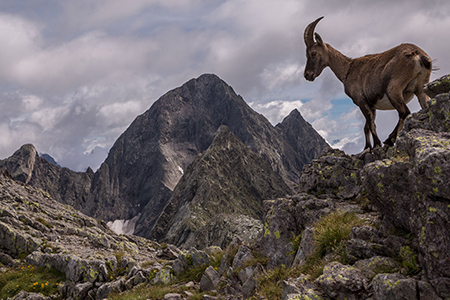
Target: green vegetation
409	261
195	273
295	243
269	285
30	279
44	222
330	235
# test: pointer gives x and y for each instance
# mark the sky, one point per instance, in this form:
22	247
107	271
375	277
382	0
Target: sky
74	74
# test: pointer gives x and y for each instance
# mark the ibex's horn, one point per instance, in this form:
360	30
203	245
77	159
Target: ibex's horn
309	32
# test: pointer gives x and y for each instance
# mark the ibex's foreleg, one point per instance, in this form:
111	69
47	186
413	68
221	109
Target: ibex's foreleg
370	127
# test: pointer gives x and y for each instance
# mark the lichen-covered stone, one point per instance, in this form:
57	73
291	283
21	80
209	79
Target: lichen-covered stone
334	172
342	282
412	193
394	286
163	276
438	86
172	296
300	289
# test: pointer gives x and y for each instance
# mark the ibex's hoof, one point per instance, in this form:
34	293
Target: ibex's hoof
363	154
389	142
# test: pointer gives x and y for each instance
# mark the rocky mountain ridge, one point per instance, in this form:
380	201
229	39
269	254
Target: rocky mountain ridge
226	185
145	164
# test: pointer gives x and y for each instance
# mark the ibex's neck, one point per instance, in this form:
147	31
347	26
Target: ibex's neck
338	63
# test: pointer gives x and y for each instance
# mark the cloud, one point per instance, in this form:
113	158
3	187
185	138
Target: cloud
74	74
276	110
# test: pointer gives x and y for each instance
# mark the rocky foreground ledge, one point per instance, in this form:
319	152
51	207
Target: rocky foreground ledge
374	227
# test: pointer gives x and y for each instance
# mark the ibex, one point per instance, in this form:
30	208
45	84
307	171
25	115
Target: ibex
383	81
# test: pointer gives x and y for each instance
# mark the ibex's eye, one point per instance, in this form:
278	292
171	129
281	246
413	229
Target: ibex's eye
313	54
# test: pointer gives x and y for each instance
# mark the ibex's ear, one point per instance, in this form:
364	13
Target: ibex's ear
318	39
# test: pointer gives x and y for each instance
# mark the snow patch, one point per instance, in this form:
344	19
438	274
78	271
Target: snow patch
123	226
181	170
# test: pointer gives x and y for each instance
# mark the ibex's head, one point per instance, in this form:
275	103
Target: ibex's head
316	55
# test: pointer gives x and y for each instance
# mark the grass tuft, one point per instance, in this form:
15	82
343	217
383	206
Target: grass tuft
330	235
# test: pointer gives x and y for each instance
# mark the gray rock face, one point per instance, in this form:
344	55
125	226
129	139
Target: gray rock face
286	218
411	190
334	173
412	193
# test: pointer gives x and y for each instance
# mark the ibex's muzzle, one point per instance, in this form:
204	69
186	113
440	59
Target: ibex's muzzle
309	75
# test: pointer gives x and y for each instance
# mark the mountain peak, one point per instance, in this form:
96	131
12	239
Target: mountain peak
21	164
294	116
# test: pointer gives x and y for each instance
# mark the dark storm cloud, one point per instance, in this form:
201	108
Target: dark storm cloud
74	74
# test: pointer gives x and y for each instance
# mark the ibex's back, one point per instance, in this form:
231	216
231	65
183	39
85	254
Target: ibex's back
382	81
405	67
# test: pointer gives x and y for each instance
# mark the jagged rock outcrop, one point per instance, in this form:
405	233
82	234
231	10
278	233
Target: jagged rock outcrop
64	185
148	159
411	188
226	185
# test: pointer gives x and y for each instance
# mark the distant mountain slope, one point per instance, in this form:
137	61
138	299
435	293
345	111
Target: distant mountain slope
149	158
229	181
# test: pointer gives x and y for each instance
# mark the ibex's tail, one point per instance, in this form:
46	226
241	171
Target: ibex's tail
426	62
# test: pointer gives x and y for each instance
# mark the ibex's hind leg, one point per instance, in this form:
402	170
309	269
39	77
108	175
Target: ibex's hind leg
423	99
397	101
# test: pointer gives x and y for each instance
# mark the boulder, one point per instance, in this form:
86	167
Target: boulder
22	295
114	286
210	280
306	248
163	276
172	296
81	290
342	282
135	280
243	255
301	289
394	286
411	192
190	259
372	266
438	86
